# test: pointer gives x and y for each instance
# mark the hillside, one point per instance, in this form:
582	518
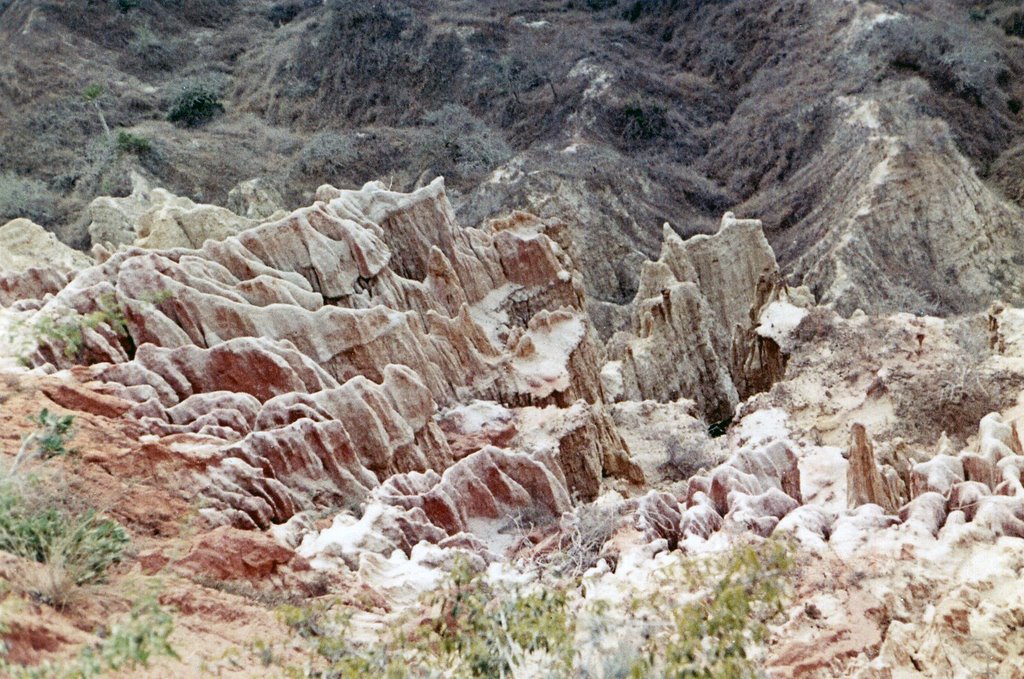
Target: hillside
877	141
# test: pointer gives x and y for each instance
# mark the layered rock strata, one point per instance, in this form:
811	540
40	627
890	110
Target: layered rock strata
693	322
302	362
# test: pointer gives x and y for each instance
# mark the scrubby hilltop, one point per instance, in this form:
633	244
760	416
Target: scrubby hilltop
876	140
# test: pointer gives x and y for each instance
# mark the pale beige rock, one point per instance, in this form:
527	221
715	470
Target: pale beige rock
114	221
693	320
177	222
256	199
155	218
25	245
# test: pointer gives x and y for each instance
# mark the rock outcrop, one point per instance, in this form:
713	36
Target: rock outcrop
866	483
33	263
154	218
694	318
256	199
302	362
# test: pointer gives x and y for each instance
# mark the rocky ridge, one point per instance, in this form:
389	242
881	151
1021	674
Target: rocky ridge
363	389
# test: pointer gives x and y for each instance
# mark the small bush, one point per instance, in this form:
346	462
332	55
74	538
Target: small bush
130	644
684	460
25	197
641	7
195	105
719	428
49	440
640	121
1015	105
282	13
490	631
328	154
148	51
713	636
55	432
583	537
1014	24
968	66
132	144
460	146
77	549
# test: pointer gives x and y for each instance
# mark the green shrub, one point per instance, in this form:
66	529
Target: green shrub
55	432
133	642
1015	105
133	144
77	548
706	620
49	440
713	636
641	121
195	105
487	631
478	630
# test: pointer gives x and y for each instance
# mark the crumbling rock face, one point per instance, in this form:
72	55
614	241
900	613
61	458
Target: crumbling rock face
693	321
866	483
256	199
301	362
155	218
25	245
33	263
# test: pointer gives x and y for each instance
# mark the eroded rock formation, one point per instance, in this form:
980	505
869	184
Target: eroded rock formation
155	218
694	318
302	362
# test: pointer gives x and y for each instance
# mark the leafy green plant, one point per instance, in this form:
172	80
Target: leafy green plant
133	642
641	121
50	439
489	632
708	619
55	432
77	549
92	95
195	105
133	144
479	630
